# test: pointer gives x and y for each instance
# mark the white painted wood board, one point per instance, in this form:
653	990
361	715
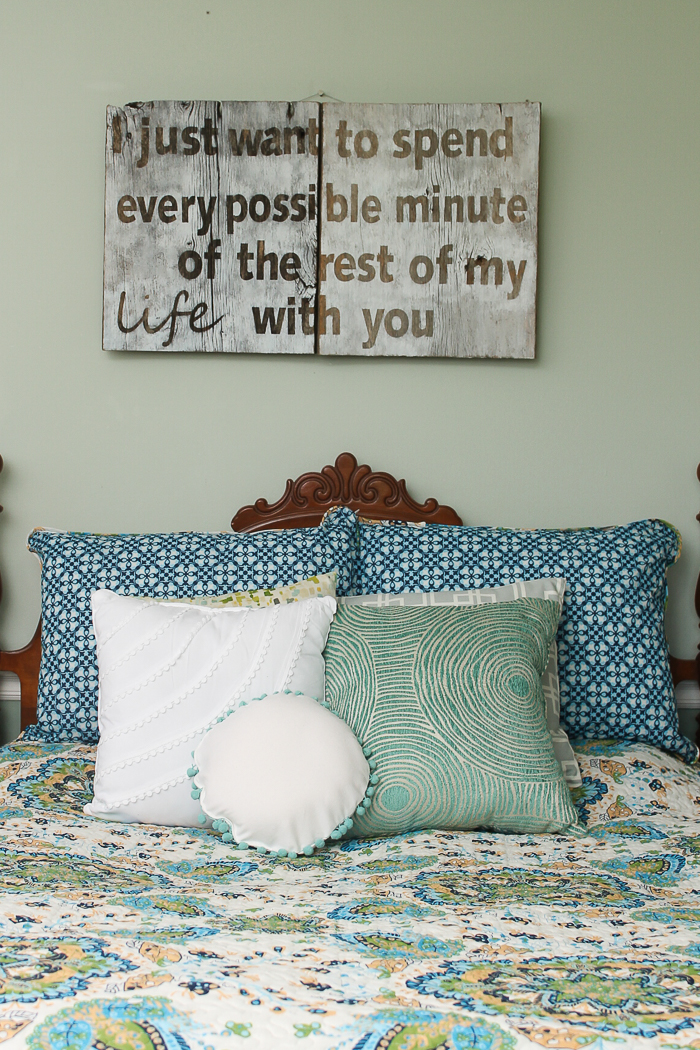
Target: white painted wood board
143	254
487	232
419	223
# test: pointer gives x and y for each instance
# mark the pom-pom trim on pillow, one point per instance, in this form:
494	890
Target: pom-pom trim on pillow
225	827
176	669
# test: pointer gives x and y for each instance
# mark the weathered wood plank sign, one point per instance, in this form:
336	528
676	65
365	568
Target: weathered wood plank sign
302	228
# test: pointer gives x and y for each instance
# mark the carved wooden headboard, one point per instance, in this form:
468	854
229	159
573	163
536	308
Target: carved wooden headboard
304	502
373	494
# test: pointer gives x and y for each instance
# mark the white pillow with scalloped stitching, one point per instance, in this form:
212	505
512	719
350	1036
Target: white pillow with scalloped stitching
168	671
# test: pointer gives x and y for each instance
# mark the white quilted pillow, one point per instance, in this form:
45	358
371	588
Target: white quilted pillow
167	671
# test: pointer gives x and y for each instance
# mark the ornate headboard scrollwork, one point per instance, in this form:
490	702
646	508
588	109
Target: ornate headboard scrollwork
373	494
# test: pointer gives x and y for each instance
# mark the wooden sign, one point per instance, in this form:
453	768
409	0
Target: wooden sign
274	227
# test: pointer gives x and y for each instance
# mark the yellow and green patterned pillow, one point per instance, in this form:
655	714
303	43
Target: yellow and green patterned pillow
449	702
313	587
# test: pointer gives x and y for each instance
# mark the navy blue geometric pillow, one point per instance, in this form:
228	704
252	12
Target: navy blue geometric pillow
170	565
614	671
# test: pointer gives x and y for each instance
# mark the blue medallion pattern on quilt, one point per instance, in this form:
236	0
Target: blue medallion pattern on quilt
614	671
139	937
170	565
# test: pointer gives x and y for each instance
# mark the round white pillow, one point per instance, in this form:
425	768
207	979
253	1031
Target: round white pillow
281	773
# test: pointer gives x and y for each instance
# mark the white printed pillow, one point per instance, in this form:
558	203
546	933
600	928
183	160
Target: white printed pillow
312	587
551	589
283	774
168	671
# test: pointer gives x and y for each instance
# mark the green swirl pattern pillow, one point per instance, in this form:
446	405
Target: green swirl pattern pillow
449	700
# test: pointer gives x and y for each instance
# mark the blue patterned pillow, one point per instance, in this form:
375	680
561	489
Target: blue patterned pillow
170	565
614	670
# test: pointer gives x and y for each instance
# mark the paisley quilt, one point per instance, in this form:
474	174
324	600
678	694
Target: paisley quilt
135	937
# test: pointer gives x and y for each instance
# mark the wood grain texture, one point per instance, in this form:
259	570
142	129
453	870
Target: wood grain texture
278	227
218	202
373	494
459	232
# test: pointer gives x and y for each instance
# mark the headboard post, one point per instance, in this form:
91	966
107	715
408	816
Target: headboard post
25	664
697	613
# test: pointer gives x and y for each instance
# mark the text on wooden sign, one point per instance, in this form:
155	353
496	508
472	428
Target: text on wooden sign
263	227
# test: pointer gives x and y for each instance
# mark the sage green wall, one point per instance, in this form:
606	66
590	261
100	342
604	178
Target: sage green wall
602	427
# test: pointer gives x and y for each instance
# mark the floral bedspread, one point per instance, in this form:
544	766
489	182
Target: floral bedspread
145	938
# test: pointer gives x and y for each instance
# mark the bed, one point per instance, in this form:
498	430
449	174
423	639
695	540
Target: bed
137	936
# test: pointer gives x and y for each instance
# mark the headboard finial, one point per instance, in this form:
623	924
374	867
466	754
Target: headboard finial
373	494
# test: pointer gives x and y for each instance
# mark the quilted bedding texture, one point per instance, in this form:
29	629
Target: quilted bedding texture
146	938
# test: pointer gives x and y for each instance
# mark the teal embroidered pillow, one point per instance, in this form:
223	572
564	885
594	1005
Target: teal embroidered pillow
449	700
